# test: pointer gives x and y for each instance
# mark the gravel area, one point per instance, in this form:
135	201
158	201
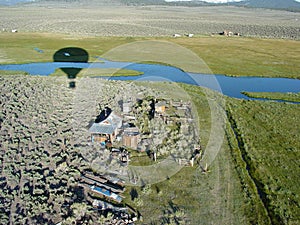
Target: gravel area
149	20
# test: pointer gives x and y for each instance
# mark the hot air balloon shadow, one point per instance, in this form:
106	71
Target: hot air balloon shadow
72	55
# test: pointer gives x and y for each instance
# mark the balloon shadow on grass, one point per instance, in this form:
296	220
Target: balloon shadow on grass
71	55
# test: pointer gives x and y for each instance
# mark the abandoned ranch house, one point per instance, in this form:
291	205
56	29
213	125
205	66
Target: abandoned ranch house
109	127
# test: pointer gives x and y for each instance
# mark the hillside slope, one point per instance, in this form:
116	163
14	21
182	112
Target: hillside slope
271	4
291	5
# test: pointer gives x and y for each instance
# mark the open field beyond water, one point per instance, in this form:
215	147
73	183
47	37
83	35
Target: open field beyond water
237	56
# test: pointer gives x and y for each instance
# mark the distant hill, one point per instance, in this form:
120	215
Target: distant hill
270	4
109	2
290	5
13	2
73	2
163	2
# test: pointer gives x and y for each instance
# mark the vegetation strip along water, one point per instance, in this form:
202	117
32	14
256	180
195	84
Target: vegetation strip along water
287	97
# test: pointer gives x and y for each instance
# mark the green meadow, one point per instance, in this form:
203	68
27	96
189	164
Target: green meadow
239	56
12	72
20	48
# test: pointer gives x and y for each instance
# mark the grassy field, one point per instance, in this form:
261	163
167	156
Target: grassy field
247	56
291	97
20	48
268	137
220	55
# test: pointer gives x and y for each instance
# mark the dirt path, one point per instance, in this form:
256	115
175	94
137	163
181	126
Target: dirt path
228	206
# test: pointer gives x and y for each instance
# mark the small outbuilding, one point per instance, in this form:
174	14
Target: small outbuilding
160	107
131	137
126	107
189	35
176	35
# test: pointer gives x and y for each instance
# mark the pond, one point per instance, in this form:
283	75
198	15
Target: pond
230	86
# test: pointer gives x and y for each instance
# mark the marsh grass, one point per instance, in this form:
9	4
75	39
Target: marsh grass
291	97
12	72
269	134
101	72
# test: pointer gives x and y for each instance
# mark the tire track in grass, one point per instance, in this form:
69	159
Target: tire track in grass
223	190
228	194
216	192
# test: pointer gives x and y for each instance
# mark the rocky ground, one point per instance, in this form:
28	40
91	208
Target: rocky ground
149	20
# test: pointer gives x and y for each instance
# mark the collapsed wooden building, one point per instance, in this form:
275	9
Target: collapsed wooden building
103	187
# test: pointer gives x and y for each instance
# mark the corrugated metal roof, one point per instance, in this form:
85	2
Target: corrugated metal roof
101	128
107	126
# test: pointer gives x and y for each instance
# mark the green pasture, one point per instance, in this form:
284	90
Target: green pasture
21	47
238	56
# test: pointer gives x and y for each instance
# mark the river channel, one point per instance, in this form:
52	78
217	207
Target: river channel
230	86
